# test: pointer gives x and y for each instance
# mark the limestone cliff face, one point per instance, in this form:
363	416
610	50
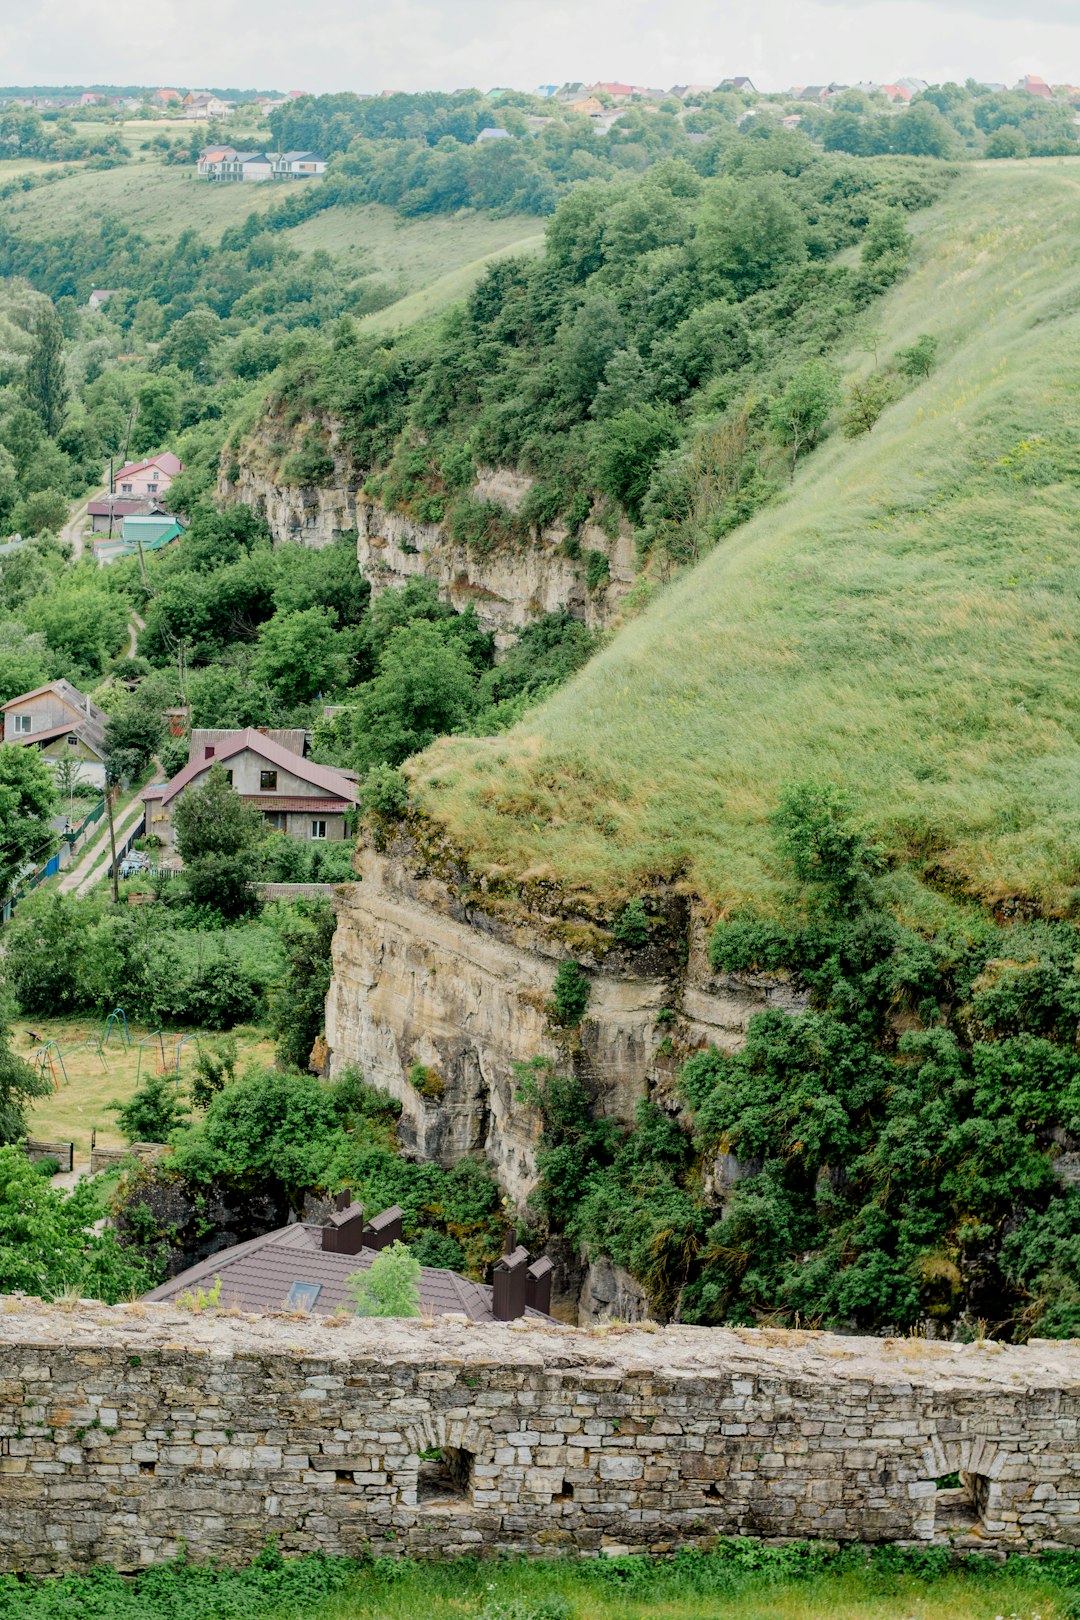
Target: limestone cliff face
424	977
509	586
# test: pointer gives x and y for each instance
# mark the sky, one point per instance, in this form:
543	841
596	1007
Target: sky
373	45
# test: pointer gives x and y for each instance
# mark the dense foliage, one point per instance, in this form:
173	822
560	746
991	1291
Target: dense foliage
271	1137
47	1241
632	366
799	1577
901	1152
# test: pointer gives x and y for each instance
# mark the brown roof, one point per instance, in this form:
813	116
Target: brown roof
87	721
321	776
121	505
257	1276
281	801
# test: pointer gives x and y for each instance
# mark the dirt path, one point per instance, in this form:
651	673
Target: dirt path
80	878
72	532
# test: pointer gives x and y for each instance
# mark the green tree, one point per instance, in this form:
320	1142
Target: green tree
749	233
866	399
218	834
390	1286
918	360
798	415
44	383
153	1112
626	447
22	659
134	733
190	344
47	1242
297	656
297	1007
45	511
20	1083
1007	141
82	622
27	805
425	688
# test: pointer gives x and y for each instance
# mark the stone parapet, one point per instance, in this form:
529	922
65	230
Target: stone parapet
125	1431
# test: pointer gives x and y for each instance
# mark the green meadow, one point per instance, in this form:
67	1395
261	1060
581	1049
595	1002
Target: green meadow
902	622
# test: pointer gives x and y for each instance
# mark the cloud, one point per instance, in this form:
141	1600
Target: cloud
1029	11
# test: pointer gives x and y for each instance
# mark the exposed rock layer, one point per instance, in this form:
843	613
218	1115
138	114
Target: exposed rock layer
508	586
422	977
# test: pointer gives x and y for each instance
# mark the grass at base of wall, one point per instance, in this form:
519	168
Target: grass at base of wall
742	1580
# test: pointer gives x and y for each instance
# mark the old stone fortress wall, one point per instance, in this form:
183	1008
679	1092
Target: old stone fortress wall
125	1429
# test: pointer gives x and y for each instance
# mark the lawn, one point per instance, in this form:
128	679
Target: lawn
79	1106
903	623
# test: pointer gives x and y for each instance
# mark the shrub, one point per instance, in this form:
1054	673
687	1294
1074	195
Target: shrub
597	569
918	360
865	402
632	924
152	1113
570	996
430	1085
385	791
390	1286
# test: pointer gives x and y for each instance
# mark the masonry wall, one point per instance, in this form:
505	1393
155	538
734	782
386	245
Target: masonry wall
123	1430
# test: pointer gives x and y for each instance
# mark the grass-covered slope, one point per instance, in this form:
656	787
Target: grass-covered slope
905	623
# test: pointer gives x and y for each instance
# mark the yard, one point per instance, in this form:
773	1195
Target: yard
88	1079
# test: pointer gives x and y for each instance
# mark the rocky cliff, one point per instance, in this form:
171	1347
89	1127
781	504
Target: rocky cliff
433	983
508	586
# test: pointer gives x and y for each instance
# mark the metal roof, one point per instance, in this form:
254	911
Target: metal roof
259	1276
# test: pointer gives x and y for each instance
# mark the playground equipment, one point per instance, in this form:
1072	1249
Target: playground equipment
46	1058
93	1044
155	1038
116	1024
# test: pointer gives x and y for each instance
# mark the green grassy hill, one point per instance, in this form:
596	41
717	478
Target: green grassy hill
905	623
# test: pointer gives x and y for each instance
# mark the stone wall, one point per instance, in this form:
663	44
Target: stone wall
124	1429
422	977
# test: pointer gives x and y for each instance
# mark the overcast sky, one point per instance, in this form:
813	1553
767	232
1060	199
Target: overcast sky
430	44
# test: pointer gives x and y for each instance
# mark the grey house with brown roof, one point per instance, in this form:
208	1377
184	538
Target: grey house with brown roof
62	723
295	796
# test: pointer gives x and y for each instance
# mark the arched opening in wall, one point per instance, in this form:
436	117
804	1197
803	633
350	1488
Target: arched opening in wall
444	1478
960	1503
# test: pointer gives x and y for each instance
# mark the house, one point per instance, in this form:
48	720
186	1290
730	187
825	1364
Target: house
740	82
92	98
139	532
1032	85
306	1266
99	297
295	796
108	512
589	106
62	723
616	91
211	159
492	133
792	121
895	92
167	98
150	477
250	166
202	104
298	165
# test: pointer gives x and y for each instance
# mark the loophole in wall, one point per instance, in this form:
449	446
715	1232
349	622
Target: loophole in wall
444	1478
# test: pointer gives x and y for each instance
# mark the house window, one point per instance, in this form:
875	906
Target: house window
151	489
228	777
125	489
268	781
318	829
22	723
276	820
73	741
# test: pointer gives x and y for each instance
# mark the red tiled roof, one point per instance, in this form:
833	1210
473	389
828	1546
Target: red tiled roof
257	1276
166	462
321	776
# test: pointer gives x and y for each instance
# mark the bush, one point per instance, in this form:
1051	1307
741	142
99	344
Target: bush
632	924
570	996
152	1113
385	791
597	569
390	1286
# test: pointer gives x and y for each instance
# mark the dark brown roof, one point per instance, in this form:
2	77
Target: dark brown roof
258	1275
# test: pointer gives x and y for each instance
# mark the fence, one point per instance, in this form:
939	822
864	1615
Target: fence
62	1152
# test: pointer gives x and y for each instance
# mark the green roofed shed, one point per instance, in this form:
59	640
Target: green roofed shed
153	531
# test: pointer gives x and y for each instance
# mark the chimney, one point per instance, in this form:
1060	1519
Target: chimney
343	1233
508	1286
342	1200
538	1285
384	1229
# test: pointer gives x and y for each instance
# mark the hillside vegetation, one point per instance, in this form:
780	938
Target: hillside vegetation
904	624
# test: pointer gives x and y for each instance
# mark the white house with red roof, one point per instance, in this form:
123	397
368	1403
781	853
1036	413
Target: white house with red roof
140	479
295	796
